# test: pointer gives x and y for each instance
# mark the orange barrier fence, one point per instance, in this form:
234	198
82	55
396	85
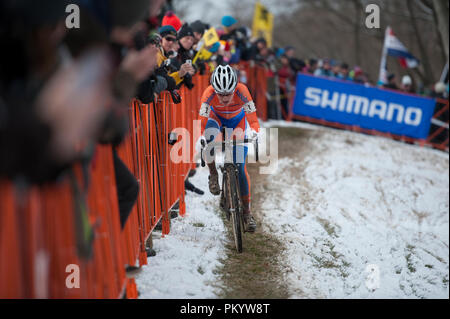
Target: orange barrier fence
439	131
40	242
52	235
257	85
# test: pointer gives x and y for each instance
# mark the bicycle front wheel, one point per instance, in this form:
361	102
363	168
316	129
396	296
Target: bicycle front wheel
235	206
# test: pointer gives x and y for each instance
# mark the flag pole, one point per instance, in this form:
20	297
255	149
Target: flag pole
382	78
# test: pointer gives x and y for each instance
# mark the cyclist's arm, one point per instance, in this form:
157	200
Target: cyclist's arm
205	107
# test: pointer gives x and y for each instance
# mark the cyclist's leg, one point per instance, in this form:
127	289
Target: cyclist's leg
244	179
240	159
212	129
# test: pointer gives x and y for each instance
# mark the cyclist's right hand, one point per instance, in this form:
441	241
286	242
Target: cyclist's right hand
203	141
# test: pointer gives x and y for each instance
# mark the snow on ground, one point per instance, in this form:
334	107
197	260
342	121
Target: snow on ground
358	204
355	203
186	258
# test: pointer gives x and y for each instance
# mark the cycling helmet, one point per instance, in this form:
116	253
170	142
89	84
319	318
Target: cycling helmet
224	79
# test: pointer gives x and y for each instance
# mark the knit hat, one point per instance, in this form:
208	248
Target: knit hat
358	70
439	87
406	80
228	21
171	19
198	26
279	52
261	40
167	29
185	31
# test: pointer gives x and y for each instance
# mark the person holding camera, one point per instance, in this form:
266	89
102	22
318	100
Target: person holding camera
186	53
168	41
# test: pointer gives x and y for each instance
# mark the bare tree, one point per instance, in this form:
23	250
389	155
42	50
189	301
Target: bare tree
335	29
441	9
427	77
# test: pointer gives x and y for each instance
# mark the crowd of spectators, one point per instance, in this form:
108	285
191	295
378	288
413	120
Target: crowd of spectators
237	44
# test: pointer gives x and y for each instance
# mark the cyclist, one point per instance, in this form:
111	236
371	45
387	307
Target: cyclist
228	103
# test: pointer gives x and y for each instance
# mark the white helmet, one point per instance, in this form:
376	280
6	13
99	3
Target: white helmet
224	79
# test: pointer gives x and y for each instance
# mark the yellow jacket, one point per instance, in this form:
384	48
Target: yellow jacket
175	75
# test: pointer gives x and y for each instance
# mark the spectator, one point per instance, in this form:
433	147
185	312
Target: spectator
185	51
296	65
439	91
285	73
169	42
279	52
186	41
407	84
237	36
199	29
229	24
289	51
358	75
344	72
324	68
259	51
286	77
157	81
228	38
391	82
335	68
312	66
237	40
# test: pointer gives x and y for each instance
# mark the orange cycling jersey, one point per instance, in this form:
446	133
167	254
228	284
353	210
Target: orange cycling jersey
241	102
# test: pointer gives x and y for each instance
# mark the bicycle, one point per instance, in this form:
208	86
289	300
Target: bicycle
230	197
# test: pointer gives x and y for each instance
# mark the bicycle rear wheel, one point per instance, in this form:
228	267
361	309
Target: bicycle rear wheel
235	206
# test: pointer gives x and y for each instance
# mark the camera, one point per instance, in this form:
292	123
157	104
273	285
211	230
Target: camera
188	81
176	98
172	138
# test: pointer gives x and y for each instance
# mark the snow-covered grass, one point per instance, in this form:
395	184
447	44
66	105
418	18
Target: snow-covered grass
186	258
352	204
356	203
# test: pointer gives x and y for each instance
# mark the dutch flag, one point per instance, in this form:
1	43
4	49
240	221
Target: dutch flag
393	47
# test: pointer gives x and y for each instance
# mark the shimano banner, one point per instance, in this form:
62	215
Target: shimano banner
370	108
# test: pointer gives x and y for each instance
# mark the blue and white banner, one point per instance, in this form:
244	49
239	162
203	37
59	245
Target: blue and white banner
370	108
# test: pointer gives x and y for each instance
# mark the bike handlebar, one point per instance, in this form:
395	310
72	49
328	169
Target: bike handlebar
228	142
